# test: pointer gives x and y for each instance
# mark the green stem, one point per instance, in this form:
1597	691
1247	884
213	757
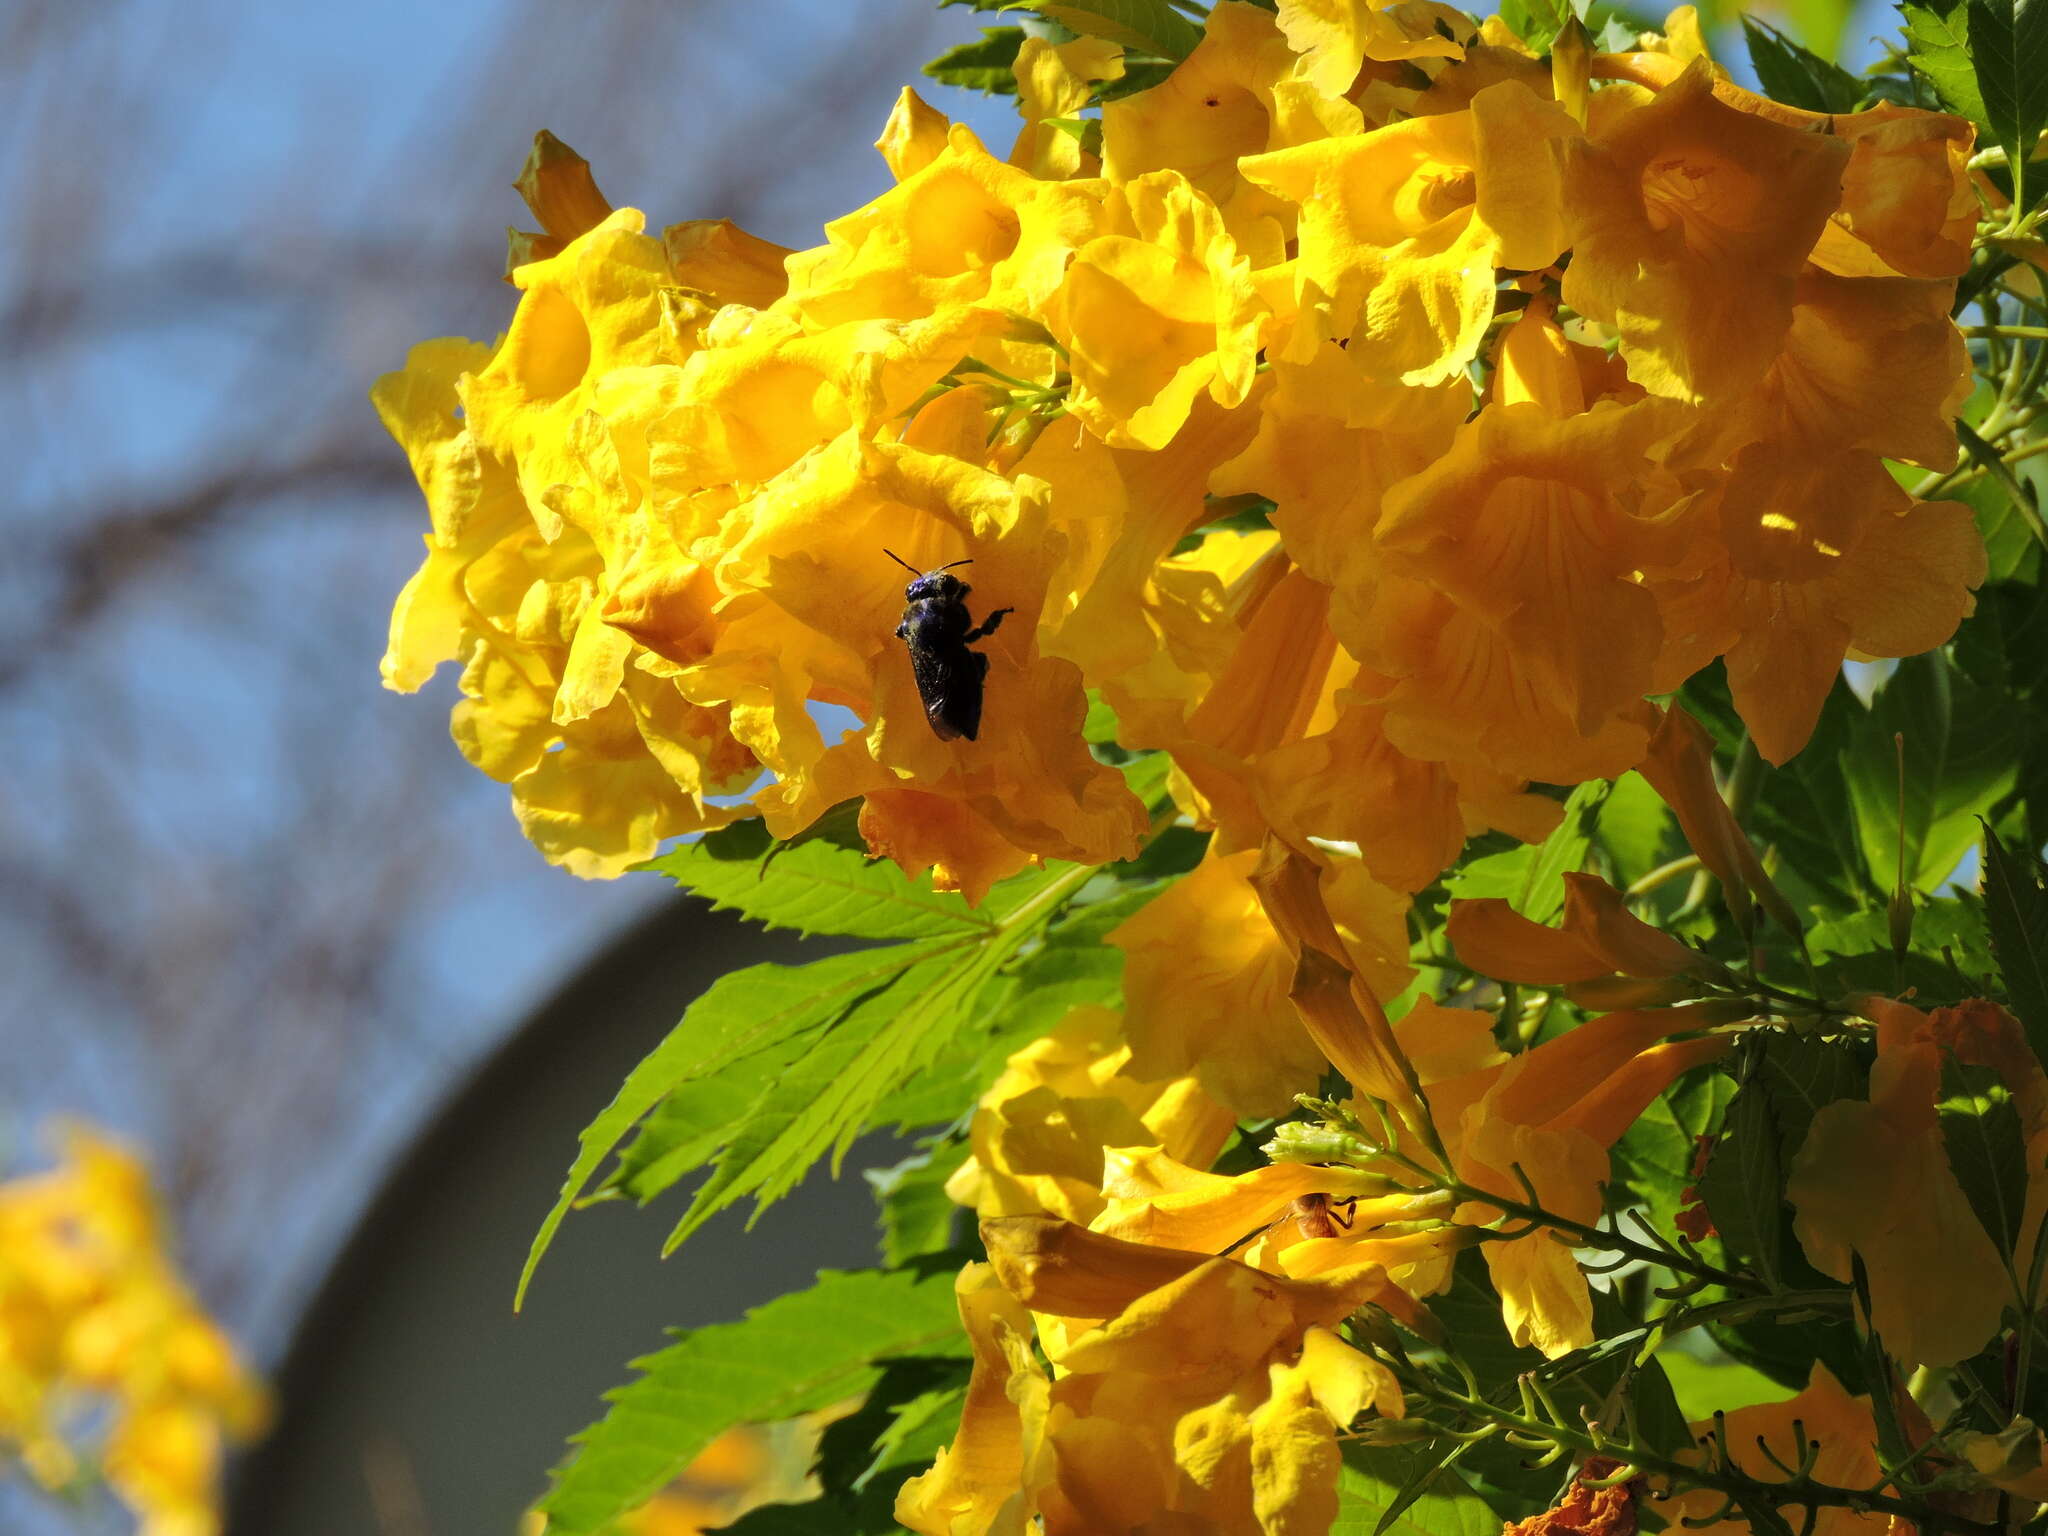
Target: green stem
1805	1492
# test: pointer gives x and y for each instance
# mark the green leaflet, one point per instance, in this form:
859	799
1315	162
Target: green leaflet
776	1065
1744	1184
1796	75
984	65
1144	26
1938	47
750	1024
815	887
2016	908
1530	876
796	1354
2009	39
1412	1485
1961	745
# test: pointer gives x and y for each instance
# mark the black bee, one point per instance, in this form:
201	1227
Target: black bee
938	629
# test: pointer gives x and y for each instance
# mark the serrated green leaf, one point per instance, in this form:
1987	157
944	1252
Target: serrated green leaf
821	1101
985	65
1144	26
2009	39
1961	745
2016	909
1636	829
1980	1130
1938	47
816	887
1374	1476
1705	1387
1796	75
1744	1185
1655	1155
797	1354
1563	852
916	1216
762	1011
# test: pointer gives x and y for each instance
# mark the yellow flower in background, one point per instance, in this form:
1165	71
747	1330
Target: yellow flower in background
103	1348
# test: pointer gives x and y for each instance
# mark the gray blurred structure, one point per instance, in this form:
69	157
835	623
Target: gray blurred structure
413	1402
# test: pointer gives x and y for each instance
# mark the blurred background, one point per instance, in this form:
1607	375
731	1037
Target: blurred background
257	915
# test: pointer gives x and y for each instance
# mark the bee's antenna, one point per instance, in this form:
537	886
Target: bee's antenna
956	562
902	562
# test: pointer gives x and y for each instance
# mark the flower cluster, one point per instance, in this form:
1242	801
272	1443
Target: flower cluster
1365	426
1371	417
99	1336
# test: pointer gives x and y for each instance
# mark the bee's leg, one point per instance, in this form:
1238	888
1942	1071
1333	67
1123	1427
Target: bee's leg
988	626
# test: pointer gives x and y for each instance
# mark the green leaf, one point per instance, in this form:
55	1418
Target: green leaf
1373	1477
825	1098
752	1021
1981	1132
1655	1155
2016	908
1144	26
1961	745
1744	1185
1561	853
796	1354
1636	830
2010	41
1704	1387
984	65
815	887
1795	75
916	1217
1938	47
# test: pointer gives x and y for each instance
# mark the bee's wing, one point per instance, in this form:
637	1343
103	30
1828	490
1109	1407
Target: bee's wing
949	680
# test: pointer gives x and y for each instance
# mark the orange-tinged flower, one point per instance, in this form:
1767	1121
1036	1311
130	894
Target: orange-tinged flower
1873	1180
1537	526
1401	229
1157	308
1554	1111
1597	937
1818	554
1207	978
1823	1416
1870	363
1596	1510
1690	224
1907	204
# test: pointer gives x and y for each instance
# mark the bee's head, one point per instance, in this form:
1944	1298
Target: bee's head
936	586
932	586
